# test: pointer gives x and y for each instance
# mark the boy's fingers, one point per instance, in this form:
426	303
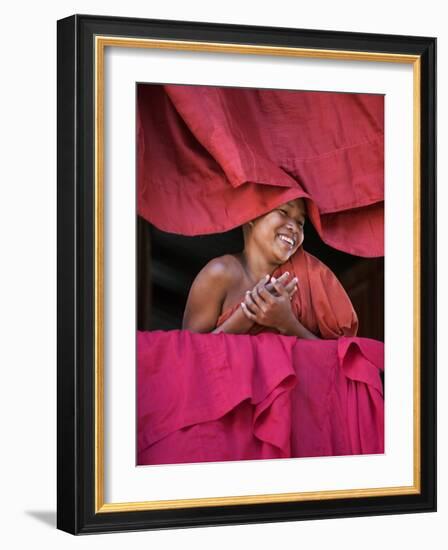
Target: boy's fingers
282	279
280	289
256	299
265	295
250	302
291	285
261	284
269	287
246	312
258	287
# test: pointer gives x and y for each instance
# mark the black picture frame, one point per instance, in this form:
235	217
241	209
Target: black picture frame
77	495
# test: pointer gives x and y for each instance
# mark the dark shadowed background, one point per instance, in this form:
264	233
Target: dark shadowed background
167	265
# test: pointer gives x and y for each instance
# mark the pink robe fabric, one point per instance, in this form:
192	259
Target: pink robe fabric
218	397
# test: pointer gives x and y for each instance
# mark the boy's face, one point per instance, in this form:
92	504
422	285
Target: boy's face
279	233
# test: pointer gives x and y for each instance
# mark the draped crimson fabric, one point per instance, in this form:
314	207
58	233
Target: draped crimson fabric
215	397
320	303
212	158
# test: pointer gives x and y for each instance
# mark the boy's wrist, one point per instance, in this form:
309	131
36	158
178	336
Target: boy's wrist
291	327
237	323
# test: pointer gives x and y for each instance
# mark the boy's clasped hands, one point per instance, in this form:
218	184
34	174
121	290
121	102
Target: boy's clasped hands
269	302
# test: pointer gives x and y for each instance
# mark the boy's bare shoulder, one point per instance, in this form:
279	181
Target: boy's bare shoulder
225	268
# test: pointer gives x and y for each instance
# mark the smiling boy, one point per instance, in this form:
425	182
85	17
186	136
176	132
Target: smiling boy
269	286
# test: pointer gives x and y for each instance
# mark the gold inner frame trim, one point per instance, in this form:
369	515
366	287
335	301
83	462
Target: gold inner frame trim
417	272
101	42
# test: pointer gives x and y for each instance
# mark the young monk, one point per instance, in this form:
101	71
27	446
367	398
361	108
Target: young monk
272	285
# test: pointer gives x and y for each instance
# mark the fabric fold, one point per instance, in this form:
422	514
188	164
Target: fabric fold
232	154
320	303
214	397
186	379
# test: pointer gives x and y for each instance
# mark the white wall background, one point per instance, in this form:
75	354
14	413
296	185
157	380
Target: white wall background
28	273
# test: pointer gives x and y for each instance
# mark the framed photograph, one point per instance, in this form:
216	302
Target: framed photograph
246	274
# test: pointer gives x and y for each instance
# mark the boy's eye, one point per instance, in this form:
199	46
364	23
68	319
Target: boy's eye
284	212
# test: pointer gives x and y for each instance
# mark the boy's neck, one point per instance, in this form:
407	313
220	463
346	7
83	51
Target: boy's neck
255	266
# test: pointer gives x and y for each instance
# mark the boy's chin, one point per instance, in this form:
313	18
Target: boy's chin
282	258
290	253
283	255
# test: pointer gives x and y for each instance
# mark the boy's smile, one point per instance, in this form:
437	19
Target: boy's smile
290	241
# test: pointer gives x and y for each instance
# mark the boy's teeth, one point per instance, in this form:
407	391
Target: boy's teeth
287	239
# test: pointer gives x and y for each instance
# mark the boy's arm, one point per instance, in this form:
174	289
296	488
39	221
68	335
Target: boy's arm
204	303
295	328
237	323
